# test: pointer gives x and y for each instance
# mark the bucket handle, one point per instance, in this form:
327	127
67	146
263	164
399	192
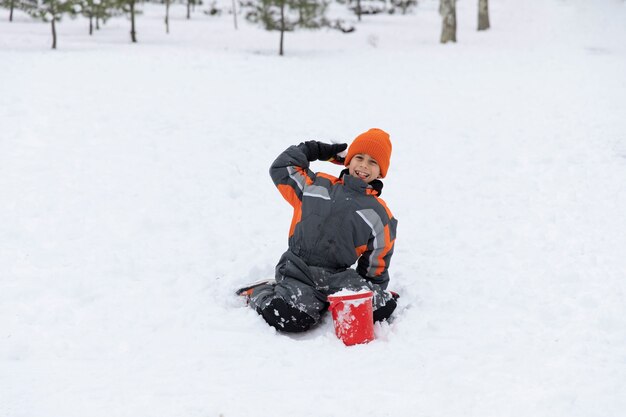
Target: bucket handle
336	305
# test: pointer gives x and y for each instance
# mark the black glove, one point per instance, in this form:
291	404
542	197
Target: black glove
315	150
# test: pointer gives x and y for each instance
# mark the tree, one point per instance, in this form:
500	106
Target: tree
89	11
235	13
9	4
128	6
447	10
403	5
131	10
483	14
167	16
105	9
96	10
190	3
288	15
52	11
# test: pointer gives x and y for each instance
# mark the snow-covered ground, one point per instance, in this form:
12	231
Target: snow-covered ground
135	197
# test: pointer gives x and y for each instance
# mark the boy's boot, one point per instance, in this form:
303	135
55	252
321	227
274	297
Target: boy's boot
247	290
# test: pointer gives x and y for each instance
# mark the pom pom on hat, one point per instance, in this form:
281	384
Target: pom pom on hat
375	143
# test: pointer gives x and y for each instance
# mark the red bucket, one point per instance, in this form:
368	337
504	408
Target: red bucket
353	316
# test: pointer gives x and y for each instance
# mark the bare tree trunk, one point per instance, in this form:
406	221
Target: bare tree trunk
167	16
11	10
282	27
188	9
235	13
54	33
358	9
133	33
98	18
483	14
447	9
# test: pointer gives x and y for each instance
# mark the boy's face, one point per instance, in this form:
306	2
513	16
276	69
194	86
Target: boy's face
364	167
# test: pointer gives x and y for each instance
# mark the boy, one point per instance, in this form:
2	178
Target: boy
336	222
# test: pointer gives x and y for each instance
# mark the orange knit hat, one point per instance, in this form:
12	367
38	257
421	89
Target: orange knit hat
375	143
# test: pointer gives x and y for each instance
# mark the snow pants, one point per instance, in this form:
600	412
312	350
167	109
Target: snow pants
298	299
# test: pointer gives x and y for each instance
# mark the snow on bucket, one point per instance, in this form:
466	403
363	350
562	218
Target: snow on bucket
353	316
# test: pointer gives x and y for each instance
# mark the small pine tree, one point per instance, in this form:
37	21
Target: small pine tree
130	7
167	16
190	4
95	11
53	11
358	10
287	15
104	10
11	5
403	5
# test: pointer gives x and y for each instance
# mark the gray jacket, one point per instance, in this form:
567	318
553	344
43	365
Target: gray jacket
336	221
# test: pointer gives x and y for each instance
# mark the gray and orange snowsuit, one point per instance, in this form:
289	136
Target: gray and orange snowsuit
336	223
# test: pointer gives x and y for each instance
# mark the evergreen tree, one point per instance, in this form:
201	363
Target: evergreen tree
52	11
235	13
104	10
403	5
96	11
189	4
288	15
11	5
130	7
167	16
24	5
89	11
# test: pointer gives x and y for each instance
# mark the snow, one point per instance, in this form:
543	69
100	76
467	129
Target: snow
350	293
136	198
351	297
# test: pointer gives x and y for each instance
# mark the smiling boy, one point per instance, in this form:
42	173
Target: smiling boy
336	223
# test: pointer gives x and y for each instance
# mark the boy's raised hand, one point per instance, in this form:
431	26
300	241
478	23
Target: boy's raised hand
330	152
321	151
